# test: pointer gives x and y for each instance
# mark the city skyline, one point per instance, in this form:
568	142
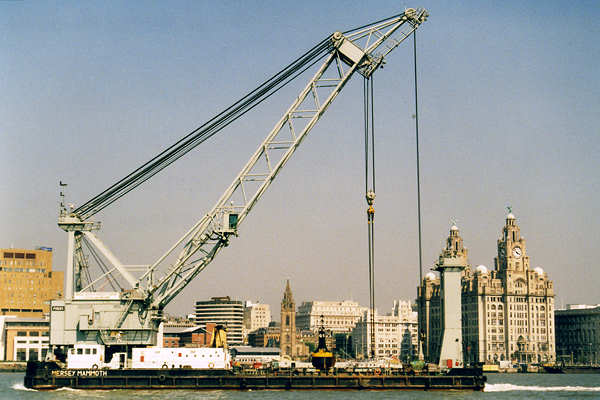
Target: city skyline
508	100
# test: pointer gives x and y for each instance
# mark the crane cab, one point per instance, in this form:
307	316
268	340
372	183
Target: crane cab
230	222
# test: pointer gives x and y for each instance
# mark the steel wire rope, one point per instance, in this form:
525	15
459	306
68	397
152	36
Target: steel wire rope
173	158
178	151
369	123
366	133
87	276
371	98
143	173
103	267
419	339
205	131
372	23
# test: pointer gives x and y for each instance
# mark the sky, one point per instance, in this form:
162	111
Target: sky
509	113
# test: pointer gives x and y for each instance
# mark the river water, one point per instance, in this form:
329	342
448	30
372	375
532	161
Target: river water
499	386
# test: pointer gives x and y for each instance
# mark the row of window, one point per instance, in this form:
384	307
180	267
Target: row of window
30	354
30	263
20	310
19	255
32	333
35	270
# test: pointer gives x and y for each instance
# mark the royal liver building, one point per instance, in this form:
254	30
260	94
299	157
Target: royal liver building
507	313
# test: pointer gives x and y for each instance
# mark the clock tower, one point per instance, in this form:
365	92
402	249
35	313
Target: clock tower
512	251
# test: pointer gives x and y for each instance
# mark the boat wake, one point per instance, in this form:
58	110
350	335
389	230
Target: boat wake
507	387
20	386
68	389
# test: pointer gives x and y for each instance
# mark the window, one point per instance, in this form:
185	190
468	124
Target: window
21	355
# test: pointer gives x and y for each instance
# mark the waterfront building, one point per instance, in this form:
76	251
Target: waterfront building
578	334
256	315
395	333
338	316
222	311
250	356
507	313
28	282
23	338
184	333
288	334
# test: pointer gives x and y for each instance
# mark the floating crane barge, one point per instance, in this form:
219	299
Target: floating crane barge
42	376
89	325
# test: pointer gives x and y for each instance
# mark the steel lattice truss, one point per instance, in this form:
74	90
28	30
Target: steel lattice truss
361	50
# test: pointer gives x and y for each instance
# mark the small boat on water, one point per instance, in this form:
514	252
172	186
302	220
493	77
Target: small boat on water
553	369
322	359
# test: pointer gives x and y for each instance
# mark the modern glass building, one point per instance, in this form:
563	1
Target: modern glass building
222	311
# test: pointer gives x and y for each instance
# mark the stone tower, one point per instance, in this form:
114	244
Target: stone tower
527	301
452	262
507	312
512	252
288	323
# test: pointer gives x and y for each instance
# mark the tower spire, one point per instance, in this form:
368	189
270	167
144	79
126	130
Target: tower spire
288	298
287	339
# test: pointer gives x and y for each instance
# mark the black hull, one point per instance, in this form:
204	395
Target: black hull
323	363
582	369
553	370
45	376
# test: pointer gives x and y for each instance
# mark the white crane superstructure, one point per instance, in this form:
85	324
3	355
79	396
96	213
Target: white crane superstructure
130	314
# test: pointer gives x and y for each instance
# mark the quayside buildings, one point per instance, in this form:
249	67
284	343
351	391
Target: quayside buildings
507	312
27	282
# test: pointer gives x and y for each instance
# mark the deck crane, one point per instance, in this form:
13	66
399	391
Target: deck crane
130	314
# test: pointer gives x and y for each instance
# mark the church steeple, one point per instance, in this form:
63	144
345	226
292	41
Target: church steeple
287	339
288	300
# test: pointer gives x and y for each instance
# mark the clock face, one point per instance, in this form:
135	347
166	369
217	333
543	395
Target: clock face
517	252
502	252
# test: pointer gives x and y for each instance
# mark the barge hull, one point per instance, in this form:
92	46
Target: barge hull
43	379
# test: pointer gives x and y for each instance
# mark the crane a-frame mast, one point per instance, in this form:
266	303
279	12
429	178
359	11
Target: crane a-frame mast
132	315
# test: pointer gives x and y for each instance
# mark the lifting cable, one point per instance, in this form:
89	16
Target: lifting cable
369	127
103	267
205	131
420	334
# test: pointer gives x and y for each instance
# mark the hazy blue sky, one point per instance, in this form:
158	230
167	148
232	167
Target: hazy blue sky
509	108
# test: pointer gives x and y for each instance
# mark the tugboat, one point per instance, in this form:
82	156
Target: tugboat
554	368
322	359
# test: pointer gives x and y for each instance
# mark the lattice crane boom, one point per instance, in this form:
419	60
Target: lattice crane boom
212	232
361	50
